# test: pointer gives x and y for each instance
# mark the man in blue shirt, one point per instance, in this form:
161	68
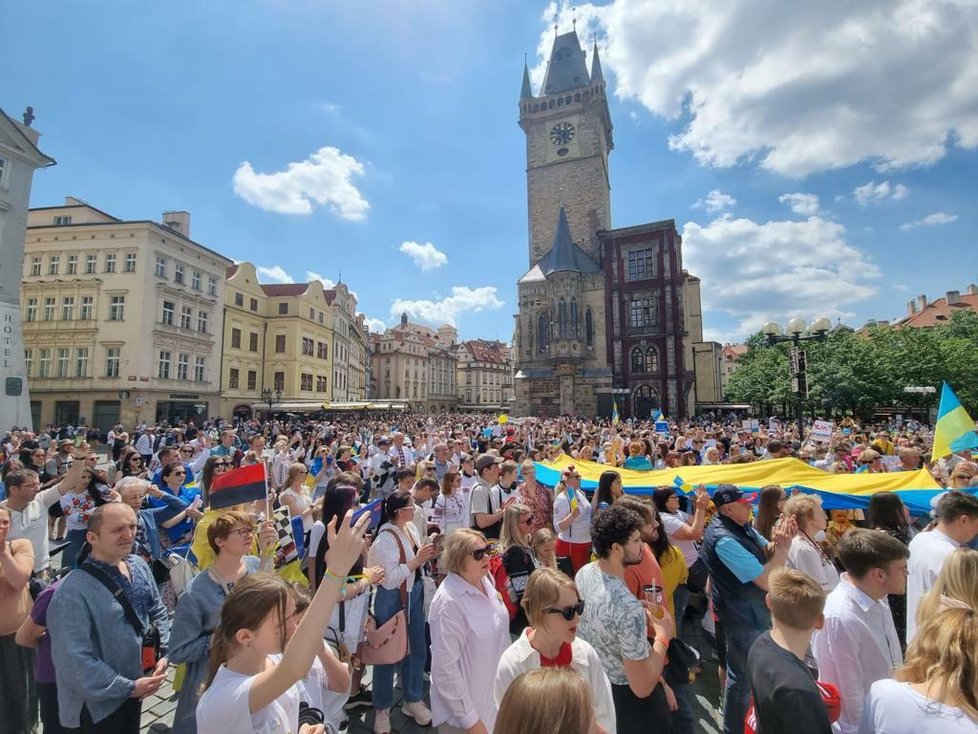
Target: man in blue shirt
739	560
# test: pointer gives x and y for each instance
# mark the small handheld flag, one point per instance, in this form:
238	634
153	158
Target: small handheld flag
681	485
615	420
236	487
572	497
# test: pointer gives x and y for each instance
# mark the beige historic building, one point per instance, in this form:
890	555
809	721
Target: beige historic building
122	319
359	365
416	364
485	375
344	306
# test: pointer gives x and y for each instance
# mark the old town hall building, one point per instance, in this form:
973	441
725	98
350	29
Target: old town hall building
604	314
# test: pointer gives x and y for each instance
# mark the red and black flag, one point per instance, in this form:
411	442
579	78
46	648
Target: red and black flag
236	487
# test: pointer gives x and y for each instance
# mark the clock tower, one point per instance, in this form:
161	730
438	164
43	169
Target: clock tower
568	138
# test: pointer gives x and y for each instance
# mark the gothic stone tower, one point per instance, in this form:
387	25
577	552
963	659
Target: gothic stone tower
561	345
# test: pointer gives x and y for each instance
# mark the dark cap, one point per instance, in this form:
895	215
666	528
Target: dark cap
383	439
487	460
727	493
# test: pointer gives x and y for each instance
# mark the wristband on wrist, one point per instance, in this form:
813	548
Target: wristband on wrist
663	640
331	575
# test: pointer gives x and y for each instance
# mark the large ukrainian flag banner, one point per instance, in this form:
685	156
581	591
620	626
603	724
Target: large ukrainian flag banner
954	430
838	491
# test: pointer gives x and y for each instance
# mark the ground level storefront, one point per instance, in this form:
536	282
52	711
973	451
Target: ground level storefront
130	407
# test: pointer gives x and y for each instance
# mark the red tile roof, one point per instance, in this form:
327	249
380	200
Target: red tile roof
285	289
939	311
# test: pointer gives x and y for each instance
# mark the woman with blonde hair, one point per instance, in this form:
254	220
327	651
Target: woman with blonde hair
936	690
807	554
956	586
552	607
572	519
517	560
547	701
469	633
543	545
296	496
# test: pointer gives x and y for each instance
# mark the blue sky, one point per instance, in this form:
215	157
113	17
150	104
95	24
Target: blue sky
817	160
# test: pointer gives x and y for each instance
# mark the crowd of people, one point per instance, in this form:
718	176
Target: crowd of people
424	550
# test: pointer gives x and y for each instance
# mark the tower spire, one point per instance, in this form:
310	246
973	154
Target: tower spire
527	91
596	73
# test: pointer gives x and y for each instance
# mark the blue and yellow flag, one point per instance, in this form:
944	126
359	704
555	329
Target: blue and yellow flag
657	416
954	430
615	420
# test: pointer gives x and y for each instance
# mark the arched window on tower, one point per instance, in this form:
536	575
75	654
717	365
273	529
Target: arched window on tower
543	331
637	360
562	321
575	319
589	329
651	360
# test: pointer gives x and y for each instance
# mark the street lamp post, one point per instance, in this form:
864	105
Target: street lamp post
266	396
796	334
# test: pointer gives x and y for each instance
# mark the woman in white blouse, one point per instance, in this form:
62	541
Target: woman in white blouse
398	549
451	510
553	608
572	519
469	633
806	553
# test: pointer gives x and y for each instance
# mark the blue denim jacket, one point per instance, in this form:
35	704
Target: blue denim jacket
96	653
150	517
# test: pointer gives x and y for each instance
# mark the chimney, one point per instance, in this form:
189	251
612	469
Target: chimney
921	303
883	322
953	297
973	290
911	307
178	222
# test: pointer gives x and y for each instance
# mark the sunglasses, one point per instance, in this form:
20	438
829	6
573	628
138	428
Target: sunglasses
567	612
223	464
180	473
480	553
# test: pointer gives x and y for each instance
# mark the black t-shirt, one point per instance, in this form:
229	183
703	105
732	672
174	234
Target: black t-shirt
786	698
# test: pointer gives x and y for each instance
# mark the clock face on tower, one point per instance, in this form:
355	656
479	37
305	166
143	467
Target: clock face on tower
562	133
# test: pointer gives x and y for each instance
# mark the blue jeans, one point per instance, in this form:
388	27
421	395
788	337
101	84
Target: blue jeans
737	694
76	539
386	604
680	600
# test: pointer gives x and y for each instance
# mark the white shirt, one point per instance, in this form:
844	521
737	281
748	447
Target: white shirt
384	552
804	557
32	523
857	647
520	657
469	633
673	523
896	708
579	530
404	455
927	553
224	708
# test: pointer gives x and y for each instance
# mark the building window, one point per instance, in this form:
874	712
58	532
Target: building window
183	366
62	221
72	268
3	170
283	309
202	322
167	317
186	317
110	263
239	299
651	360
163	371
178	274
641	266
252	380
307	347
87	307
62	364
49	309
81	362
113	356
321	317
312	314
562	318
117	308
35	266
130	266
280	343
200	368
543	331
253	304
279	382
195	281
253	342
575	318
30	313
211	285
91	263
236	338
160	267
641	313
28	361
305	382
233	378
68	308
54	264
44	364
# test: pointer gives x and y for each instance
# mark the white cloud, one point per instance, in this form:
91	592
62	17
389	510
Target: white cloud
375	325
815	86
874	193
426	256
448	309
715	201
276	274
327	283
804	204
931	220
324	179
776	270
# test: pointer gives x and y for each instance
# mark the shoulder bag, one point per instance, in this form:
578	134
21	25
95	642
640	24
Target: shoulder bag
387	644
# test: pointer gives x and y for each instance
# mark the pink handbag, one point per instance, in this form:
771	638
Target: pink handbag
387	644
